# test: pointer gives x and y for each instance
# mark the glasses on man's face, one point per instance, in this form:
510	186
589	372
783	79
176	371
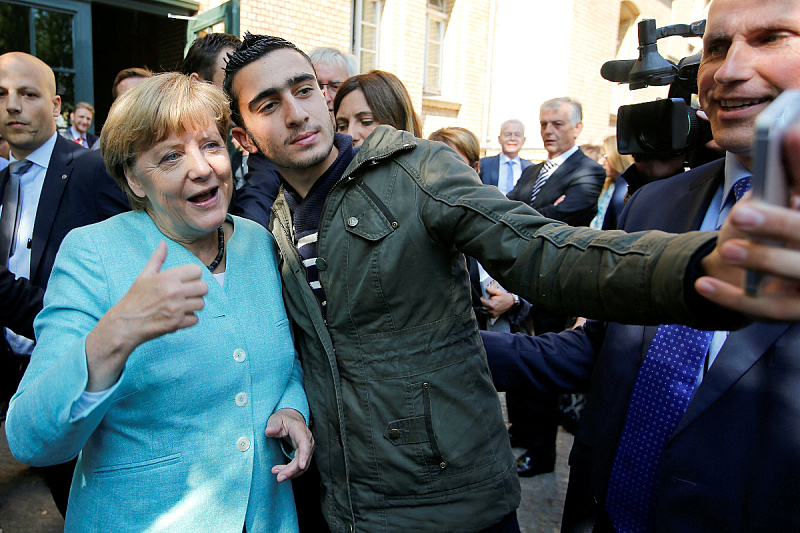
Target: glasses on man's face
333	86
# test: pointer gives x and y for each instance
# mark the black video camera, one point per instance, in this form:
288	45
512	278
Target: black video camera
664	126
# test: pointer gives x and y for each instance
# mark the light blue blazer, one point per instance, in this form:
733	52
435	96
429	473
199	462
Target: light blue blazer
178	443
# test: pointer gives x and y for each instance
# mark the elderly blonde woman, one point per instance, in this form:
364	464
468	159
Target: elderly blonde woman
164	355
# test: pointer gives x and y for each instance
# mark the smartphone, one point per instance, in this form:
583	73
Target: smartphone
770	182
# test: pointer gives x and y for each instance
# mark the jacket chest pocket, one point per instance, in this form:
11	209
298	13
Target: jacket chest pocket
365	215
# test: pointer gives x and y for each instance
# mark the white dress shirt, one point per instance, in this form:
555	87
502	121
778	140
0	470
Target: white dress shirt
30	191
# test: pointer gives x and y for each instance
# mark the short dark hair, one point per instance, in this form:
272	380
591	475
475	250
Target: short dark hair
124	74
202	55
251	49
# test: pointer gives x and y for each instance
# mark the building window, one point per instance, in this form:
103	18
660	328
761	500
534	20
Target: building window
46	34
366	33
435	26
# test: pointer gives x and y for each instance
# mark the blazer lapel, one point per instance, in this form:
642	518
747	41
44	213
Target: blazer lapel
693	201
55	182
740	352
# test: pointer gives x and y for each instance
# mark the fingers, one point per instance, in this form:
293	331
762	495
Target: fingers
304	448
290	424
156	260
765	221
782	304
494	291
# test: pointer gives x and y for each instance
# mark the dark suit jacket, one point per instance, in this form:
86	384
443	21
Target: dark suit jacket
490	169
21	302
77	191
579	178
91	138
733	462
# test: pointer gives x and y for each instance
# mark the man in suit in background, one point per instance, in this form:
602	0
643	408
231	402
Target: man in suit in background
565	187
504	169
51	186
81	119
728	459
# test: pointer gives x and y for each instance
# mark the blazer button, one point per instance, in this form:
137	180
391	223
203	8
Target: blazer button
239	355
321	264
241	399
243	444
352	222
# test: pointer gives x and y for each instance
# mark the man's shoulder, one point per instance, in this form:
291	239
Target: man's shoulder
70	153
701	174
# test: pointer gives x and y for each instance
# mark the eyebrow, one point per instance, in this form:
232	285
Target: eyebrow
272	91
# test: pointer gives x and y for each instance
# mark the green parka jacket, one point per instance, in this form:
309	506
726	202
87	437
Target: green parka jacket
408	427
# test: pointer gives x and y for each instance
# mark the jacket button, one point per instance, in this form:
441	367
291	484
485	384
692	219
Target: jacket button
394	433
352	222
394	225
442	465
239	355
321	264
241	399
243	444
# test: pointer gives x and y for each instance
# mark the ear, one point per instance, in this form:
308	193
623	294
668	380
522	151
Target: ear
195	77
72	117
578	128
56	105
241	136
134	183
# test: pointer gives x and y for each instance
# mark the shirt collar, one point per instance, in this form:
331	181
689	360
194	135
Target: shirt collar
75	134
734	171
563	157
504	159
41	156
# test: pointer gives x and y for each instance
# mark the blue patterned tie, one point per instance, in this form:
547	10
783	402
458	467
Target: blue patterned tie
507	179
741	187
662	392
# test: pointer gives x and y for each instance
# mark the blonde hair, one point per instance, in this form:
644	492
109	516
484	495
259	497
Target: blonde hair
462	139
150	112
616	161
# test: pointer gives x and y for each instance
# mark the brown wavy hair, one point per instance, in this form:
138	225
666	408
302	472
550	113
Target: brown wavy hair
386	96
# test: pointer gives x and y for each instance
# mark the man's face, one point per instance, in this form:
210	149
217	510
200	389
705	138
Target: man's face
751	53
81	120
28	103
511	139
284	113
330	77
558	133
219	67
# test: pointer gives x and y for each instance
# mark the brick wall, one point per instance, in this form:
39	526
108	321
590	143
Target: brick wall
502	58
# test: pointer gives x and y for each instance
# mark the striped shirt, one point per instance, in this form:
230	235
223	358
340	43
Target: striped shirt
306	212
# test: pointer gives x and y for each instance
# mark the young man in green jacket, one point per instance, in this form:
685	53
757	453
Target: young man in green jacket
408	427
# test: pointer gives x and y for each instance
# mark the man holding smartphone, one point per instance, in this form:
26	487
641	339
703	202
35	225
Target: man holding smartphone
713	446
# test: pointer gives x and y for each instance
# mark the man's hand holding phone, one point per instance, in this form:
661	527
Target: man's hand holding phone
759	244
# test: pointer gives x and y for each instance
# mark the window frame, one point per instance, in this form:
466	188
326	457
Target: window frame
83	86
436	13
358	31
